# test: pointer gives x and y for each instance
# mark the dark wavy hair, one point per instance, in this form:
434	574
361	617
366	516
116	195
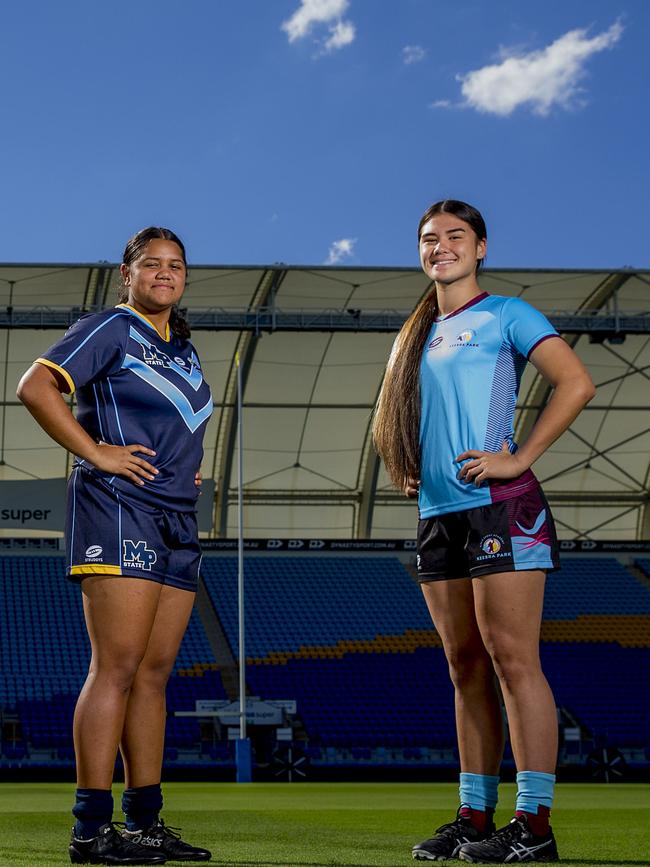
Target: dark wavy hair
178	325
396	422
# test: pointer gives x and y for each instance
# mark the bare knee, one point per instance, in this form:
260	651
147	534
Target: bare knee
153	674
469	666
118	673
513	665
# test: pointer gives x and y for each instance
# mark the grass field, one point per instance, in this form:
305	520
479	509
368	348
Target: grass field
323	824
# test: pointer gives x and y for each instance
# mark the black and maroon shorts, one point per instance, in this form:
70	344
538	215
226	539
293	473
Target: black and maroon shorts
507	536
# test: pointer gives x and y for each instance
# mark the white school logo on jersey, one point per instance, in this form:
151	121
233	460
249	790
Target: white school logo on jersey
465	338
154	357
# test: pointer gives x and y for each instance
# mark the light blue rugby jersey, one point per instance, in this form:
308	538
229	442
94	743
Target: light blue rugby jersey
469	380
134	386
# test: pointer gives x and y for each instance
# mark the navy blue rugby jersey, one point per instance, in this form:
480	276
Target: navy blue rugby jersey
134	386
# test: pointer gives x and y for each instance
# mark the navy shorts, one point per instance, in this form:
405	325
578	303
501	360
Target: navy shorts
508	536
110	534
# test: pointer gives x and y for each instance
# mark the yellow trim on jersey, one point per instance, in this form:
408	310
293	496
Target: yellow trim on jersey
95	569
57	367
148	321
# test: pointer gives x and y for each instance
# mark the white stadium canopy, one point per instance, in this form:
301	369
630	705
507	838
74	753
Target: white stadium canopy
313	344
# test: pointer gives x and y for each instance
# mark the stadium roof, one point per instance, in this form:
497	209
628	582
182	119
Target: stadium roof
313	343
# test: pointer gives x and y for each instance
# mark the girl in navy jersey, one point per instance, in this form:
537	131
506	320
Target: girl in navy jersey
444	428
131	534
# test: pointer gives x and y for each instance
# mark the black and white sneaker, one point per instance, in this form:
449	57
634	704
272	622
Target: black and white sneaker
448	839
109	847
516	842
165	839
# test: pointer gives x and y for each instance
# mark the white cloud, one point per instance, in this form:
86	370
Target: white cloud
540	79
339	250
441	103
412	54
342	33
314	12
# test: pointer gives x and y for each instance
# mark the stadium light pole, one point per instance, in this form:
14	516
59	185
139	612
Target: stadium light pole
243	744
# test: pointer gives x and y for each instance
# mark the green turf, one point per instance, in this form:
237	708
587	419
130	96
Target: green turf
322	824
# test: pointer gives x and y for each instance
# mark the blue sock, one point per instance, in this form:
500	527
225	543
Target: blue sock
478	791
534	789
141	806
93	808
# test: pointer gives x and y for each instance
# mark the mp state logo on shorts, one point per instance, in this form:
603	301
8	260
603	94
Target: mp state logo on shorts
136	555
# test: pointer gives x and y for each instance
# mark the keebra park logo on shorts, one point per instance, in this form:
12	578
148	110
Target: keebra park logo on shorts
493	547
136	555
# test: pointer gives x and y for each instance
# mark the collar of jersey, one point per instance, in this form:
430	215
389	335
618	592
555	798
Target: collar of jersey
470	303
144	319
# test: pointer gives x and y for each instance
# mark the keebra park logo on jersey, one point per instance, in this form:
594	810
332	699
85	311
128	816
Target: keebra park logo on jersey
136	555
465	338
94	552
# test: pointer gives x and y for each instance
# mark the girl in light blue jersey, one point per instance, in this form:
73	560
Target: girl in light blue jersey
444	428
131	535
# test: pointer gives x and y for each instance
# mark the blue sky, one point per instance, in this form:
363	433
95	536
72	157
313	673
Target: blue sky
314	131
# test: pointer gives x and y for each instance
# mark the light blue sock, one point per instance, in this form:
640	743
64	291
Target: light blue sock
478	791
534	788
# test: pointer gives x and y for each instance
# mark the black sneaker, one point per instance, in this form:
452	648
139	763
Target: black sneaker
515	842
163	838
109	847
448	839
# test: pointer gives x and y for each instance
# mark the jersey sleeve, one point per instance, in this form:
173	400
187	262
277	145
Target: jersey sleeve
524	326
91	348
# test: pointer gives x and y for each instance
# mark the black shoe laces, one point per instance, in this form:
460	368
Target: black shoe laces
169	829
460	823
508	832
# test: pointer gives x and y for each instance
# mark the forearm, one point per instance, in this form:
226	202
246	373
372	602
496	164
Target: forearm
565	404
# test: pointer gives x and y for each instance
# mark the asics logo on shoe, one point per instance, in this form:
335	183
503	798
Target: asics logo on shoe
460	841
146	841
519	852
